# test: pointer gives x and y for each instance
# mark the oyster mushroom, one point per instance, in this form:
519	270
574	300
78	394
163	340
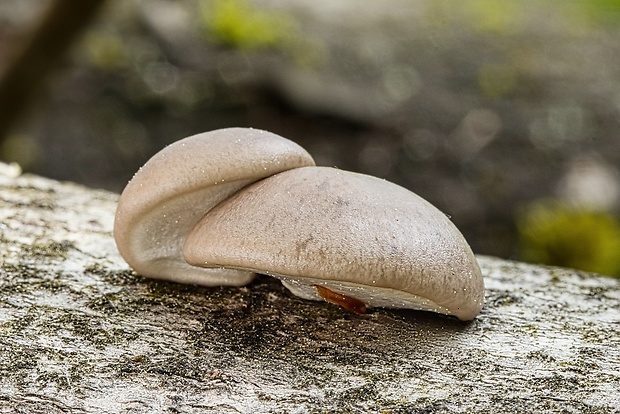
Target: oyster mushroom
216	208
360	237
178	185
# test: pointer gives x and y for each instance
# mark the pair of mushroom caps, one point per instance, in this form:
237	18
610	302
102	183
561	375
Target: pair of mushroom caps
217	208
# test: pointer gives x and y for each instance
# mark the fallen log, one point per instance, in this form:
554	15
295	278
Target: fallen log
81	333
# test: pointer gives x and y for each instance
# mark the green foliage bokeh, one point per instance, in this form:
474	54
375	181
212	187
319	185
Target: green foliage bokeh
601	11
560	235
238	24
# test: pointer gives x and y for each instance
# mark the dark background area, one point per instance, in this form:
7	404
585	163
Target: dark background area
504	114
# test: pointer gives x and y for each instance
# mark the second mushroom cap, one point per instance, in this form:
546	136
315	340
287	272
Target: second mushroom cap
356	234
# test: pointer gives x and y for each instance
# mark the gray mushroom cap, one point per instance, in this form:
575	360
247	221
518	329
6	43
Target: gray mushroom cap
177	186
358	235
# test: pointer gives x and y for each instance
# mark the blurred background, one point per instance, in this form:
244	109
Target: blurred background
505	114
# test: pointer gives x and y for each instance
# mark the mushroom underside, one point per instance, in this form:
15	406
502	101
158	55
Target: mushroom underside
371	296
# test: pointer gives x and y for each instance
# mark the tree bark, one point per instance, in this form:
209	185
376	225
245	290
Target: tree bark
81	333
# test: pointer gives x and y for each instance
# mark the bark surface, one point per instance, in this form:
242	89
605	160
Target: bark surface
81	333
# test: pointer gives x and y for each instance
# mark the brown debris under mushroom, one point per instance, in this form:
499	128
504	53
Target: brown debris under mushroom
345	301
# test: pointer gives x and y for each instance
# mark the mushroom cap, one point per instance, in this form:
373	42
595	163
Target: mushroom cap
358	235
178	185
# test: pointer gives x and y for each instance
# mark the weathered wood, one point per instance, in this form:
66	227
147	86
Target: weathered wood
79	332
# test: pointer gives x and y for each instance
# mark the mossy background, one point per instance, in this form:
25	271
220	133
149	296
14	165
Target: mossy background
566	236
238	24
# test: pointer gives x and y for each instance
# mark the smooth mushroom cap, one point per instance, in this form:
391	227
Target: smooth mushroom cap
178	185
358	235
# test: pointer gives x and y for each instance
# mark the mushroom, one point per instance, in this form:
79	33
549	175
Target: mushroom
178	185
358	236
327	234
